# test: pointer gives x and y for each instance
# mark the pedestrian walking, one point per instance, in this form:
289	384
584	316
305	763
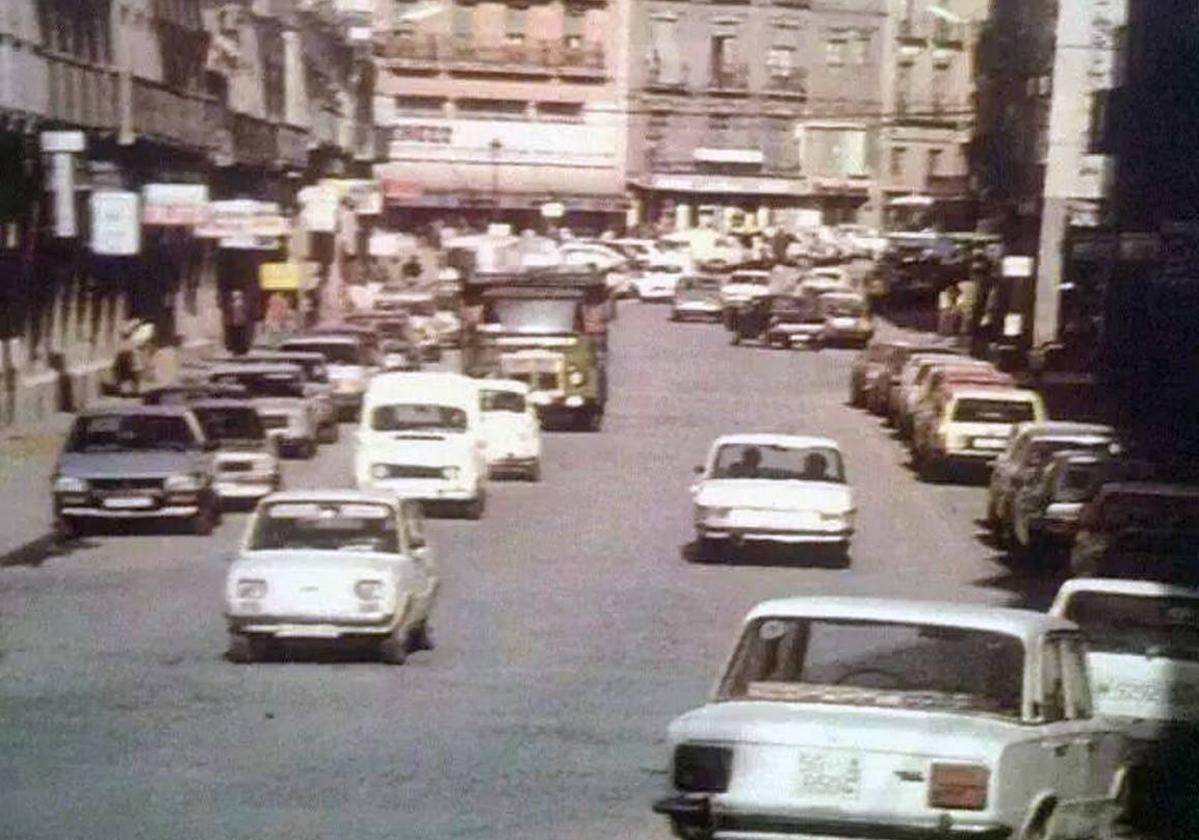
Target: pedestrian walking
240	328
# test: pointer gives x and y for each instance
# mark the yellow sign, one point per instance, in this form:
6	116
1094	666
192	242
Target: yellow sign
279	277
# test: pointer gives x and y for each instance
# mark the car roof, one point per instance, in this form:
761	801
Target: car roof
222	403
750	272
1120	586
771	439
331	495
223	368
1025	624
1000	392
130	409
513	385
1065	428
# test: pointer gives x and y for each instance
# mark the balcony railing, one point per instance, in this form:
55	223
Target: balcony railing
171	116
791	85
81	94
948	186
659	78
729	78
435	53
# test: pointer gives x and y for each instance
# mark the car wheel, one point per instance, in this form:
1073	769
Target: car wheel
393	650
68	528
534	473
708	551
205	520
420	638
245	649
474	509
855	396
735	338
928	469
331	434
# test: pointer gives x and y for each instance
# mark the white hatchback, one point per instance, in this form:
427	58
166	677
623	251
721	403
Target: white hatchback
511	428
848	717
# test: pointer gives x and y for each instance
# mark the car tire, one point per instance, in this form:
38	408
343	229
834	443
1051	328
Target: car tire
205	520
393	650
533	474
708	551
420	638
332	433
68	528
735	339
475	508
855	396
244	650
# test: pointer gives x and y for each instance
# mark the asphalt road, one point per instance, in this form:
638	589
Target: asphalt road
570	631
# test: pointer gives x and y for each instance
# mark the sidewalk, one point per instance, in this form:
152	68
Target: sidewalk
27	459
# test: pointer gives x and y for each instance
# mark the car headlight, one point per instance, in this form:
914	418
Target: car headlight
184	483
380	471
69	484
368	590
251	590
450	473
577	377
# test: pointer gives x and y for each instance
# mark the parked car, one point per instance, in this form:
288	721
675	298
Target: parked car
421	437
772	488
351	361
657	282
135	462
885	393
1030	448
973	426
1139	529
277	390
866	373
846	319
743	287
855	717
1143	657
511	428
826	280
697	296
333	565
1046	509
912	380
246	464
931	394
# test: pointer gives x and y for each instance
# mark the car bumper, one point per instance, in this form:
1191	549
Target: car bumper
965	457
691	310
777	535
848	334
253	488
696	812
656	295
251	626
345	400
163	512
424	491
513	462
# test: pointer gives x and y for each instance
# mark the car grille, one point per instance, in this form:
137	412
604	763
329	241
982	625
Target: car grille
412	471
274	421
120	485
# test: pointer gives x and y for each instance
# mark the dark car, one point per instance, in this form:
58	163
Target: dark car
1139	529
867	370
189	393
136	462
796	321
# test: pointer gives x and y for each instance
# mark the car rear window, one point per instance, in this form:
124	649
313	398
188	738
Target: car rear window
978	410
1120	623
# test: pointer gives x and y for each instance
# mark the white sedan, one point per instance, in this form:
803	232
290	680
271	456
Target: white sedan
338	565
855	717
772	488
511	428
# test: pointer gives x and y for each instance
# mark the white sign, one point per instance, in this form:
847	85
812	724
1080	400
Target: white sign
383	244
1017	266
553	210
116	223
62	184
318	209
709	155
502	142
58	142
174	205
242	218
1013	324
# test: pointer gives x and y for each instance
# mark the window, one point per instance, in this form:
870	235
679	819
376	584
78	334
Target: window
665	63
780	62
511	108
859	48
934	162
656	128
723	55
834	52
898	161
903	87
514	23
1074	670
423	105
834	151
572	26
940	87
463	20
718	122
561	111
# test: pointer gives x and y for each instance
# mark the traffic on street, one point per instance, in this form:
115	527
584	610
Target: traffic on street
558	502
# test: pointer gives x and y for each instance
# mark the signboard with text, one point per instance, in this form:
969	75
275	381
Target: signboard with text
174	205
242	219
116	223
498	141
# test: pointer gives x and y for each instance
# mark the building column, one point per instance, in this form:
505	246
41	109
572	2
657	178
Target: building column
295	99
1046	295
683	217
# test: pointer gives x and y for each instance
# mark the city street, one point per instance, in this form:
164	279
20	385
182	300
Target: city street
570	630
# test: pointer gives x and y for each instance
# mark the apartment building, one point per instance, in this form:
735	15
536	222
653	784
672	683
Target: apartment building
929	104
747	114
503	110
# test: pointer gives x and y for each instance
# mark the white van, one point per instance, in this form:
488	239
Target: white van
421	437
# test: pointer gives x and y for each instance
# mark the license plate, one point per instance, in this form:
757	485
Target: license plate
829	775
989	443
129	503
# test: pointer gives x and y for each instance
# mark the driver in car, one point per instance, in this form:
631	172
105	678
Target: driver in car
747	465
815	467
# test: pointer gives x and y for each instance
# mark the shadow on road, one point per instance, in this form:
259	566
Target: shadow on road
316	652
1027	588
767	555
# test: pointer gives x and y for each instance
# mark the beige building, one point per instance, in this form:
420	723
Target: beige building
929	103
502	109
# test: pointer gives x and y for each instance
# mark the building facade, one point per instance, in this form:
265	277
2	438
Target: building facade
119	120
503	111
746	114
929	104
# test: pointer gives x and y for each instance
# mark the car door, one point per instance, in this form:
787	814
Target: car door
424	561
1002	470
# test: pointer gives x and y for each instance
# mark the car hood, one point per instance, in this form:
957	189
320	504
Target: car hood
768	494
333	563
154	464
881	730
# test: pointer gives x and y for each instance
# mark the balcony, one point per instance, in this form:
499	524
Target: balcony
665	80
946	34
908	31
933	109
729	79
948	186
791	85
443	53
80	94
172	117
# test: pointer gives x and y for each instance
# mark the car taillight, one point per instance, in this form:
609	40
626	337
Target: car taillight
958	786
702	769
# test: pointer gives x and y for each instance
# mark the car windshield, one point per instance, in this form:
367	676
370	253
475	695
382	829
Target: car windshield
876	663
844	307
1166	627
773	461
230	422
507	401
325	526
1078	482
404	417
542	315
978	410
335	352
314	369
131	433
282	384
1040	451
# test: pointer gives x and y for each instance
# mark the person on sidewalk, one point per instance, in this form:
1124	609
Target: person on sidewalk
240	329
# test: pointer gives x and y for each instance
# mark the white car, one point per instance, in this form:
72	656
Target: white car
247	467
511	427
657	283
854	717
421	437
1143	655
772	488
744	286
289	425
349	367
337	565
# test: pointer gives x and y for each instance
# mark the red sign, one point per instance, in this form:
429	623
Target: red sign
399	189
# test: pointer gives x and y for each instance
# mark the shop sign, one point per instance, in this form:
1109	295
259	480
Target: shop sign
364	196
63	142
553	210
318	209
116	223
243	218
174	205
249	243
279	277
399	190
1017	266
